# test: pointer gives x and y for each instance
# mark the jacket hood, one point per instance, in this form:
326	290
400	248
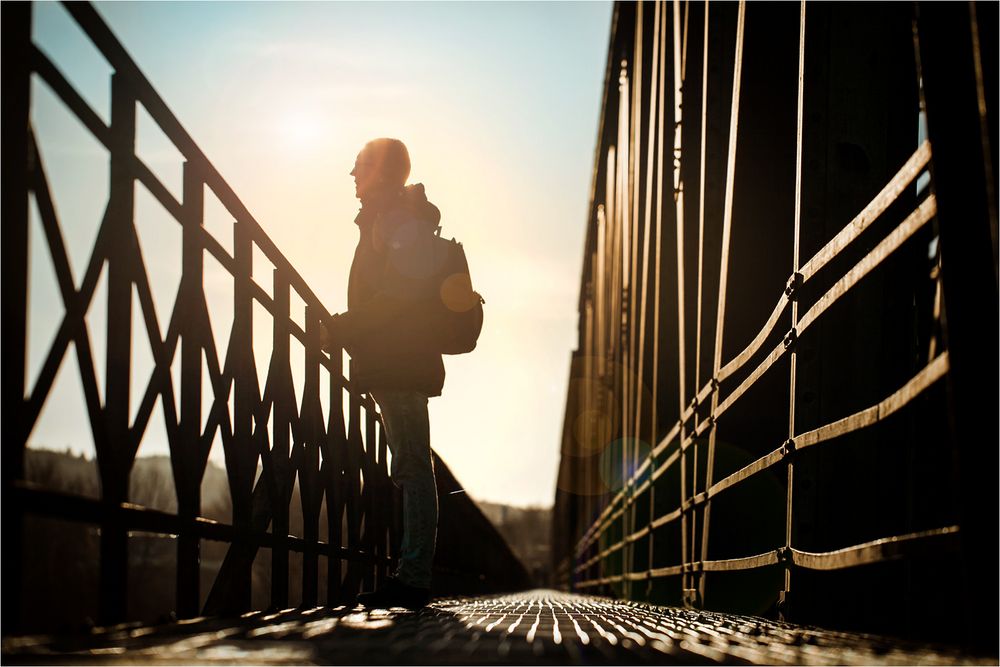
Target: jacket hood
409	204
415	202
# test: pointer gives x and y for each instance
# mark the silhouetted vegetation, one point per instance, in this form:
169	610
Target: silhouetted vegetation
61	579
61	576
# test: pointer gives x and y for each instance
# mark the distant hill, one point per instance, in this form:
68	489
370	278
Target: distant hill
61	579
150	485
528	531
62	471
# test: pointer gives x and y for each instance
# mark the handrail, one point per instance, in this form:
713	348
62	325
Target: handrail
276	440
627	531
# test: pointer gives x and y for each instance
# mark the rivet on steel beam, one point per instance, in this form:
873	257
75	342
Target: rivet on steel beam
791	337
793	285
788	447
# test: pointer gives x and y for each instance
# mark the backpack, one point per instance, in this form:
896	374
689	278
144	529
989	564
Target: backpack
458	316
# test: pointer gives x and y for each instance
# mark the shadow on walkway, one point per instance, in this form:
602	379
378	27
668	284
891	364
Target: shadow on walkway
535	627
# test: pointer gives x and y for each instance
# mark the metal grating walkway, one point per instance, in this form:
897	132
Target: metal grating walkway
536	627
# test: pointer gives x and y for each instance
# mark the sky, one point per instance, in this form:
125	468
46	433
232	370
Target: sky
498	104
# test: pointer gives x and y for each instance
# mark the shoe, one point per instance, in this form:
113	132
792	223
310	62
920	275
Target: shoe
395	593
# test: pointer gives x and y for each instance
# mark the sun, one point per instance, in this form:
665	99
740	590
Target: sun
300	129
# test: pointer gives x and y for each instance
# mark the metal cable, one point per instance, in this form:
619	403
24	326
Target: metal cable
679	247
888	548
701	239
666	465
761	464
927	376
906	229
640	357
935	370
907	173
789	488
867	417
913	223
744	356
654	424
876	551
735	564
900	181
632	204
723	270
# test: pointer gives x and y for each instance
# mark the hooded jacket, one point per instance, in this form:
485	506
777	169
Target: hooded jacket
390	286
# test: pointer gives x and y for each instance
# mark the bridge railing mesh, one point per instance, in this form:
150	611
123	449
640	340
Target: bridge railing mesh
321	441
671	349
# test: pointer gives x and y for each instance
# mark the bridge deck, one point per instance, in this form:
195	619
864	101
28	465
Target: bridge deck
540	627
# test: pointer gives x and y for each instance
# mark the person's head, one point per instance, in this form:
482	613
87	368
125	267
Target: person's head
382	165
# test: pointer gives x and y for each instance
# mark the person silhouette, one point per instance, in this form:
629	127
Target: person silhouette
387	299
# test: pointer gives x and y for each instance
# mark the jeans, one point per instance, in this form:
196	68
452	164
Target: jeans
404	414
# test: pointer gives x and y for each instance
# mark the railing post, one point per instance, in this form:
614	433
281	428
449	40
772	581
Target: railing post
370	496
333	480
353	454
395	526
310	491
114	463
284	407
190	464
16	91
242	462
252	503
387	497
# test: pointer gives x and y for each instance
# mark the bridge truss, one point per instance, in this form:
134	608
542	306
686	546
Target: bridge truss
784	394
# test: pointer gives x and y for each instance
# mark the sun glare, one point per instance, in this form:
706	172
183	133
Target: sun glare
299	130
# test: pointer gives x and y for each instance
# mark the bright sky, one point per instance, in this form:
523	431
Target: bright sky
498	104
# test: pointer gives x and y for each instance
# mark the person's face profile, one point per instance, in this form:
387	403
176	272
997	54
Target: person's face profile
360	174
364	175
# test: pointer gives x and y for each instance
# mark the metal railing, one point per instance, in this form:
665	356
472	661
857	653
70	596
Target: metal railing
611	486
270	439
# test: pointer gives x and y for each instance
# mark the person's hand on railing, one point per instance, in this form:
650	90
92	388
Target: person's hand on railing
324	337
331	331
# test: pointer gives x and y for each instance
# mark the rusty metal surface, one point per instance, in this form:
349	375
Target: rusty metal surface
536	627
